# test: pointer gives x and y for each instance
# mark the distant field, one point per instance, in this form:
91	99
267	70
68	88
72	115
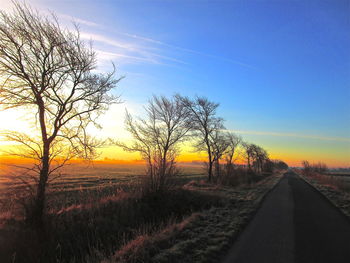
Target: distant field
97	176
339	173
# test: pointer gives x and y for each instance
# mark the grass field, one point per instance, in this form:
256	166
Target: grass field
81	177
82	184
96	212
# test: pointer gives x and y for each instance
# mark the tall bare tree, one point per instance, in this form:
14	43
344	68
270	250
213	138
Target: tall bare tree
157	136
50	70
205	124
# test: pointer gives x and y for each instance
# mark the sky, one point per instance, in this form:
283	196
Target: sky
279	69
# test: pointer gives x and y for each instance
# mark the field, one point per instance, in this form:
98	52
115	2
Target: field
86	183
94	175
97	213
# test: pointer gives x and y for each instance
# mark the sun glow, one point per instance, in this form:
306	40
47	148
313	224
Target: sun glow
16	120
23	120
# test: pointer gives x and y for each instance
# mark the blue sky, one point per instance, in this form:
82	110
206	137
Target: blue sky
280	69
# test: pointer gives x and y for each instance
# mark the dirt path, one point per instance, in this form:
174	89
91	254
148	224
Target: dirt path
294	224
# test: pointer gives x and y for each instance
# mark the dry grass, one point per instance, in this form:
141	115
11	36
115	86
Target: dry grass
335	188
91	224
90	231
145	246
201	237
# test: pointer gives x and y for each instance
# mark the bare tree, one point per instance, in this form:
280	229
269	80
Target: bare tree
260	157
248	153
205	124
231	150
156	138
220	143
256	156
50	70
309	169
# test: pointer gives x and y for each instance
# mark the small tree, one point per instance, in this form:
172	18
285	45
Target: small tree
231	150
248	153
220	143
50	70
279	164
261	157
320	168
307	167
256	156
156	138
205	124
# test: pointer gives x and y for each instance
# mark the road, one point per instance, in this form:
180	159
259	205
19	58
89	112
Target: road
294	224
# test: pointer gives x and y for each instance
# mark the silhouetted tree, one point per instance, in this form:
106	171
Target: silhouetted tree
220	143
231	150
278	164
249	153
157	136
307	167
261	157
50	70
256	156
319	167
204	124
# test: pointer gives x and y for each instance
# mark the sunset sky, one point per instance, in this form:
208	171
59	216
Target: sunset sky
279	69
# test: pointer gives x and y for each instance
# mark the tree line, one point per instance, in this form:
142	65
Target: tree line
171	121
309	169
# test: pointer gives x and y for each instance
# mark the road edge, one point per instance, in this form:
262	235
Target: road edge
251	215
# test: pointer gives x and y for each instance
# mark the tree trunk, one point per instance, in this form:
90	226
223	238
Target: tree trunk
217	167
45	166
210	170
41	191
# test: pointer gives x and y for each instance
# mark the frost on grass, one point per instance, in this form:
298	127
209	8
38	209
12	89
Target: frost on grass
204	236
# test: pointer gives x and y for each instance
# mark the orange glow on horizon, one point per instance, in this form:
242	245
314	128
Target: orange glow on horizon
186	158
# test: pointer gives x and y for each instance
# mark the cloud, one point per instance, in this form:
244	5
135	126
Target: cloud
128	50
78	20
188	50
143	39
295	135
108	41
130	47
108	56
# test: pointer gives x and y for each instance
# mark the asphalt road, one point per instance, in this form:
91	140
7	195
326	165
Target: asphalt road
294	224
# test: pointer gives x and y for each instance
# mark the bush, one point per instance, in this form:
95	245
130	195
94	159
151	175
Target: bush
240	176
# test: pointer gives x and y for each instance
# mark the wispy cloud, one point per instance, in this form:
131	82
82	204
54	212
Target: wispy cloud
108	41
143	50
107	56
132	46
79	20
295	135
192	51
133	51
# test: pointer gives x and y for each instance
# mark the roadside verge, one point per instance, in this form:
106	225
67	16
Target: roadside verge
203	236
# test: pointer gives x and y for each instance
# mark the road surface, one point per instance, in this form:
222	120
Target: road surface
294	224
